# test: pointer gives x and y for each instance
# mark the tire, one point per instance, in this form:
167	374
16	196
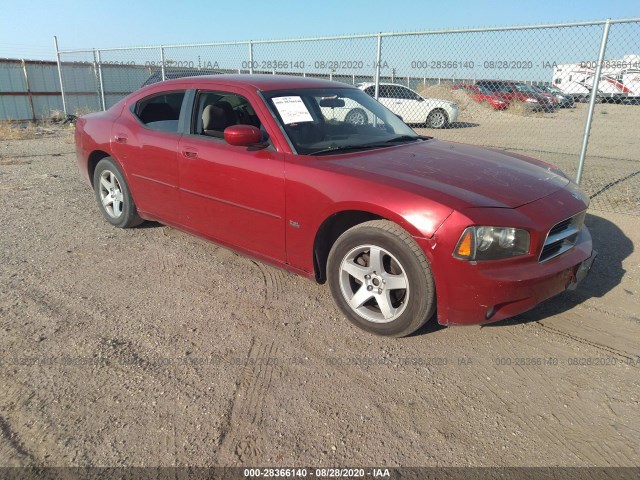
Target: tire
363	291
356	116
113	195
437	118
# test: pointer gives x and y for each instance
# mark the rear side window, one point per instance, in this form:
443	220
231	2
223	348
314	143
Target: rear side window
406	94
386	91
160	111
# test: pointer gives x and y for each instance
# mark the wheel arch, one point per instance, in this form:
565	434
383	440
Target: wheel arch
440	109
338	222
92	162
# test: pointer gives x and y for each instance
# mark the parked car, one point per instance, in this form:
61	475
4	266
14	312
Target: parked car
518	92
397	223
171	73
412	107
564	99
481	95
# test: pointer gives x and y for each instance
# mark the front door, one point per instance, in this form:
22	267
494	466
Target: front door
231	194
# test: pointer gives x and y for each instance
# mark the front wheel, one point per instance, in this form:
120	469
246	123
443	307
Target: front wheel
437	118
381	279
113	195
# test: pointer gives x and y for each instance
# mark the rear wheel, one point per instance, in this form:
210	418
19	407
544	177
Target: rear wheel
113	195
437	118
381	279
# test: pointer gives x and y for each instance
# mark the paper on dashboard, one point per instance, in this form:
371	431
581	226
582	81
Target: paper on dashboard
292	110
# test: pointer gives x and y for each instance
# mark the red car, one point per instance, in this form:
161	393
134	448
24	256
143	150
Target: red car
511	92
481	94
396	223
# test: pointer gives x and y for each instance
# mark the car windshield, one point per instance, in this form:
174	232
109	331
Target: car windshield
484	90
524	88
327	121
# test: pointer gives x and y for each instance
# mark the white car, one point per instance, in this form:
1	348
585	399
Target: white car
412	107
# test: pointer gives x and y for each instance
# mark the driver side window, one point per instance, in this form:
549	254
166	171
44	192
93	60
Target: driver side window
216	110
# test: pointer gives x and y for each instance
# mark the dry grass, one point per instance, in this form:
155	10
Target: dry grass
522	110
468	108
11	130
55	121
83	111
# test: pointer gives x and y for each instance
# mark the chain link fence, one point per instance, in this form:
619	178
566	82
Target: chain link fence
568	94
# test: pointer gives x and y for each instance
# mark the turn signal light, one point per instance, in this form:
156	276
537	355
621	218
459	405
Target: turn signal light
465	244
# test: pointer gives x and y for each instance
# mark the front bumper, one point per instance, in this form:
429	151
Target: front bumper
566	103
482	292
453	114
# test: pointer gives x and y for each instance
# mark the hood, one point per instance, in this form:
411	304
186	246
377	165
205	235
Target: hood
456	175
541	97
436	102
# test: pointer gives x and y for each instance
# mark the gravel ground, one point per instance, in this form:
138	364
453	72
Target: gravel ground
150	347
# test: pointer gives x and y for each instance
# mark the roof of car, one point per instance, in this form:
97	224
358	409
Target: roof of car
371	84
260	82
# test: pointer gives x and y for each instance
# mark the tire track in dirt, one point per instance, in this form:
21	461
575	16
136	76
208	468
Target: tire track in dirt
568	424
12	451
244	442
114	356
58	307
575	338
274	282
32	434
514	377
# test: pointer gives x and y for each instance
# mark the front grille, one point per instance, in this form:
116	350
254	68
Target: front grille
562	237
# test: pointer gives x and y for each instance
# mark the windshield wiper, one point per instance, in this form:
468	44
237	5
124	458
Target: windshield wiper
403	138
346	148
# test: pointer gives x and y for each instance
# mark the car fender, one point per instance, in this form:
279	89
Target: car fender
418	222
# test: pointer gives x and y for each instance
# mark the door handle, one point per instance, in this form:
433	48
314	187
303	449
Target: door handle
120	138
190	153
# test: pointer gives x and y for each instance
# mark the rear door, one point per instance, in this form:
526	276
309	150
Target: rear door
388	98
412	106
145	140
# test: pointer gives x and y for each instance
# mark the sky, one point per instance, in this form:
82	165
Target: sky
27	27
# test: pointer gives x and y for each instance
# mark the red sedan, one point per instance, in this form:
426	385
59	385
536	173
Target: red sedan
482	95
396	223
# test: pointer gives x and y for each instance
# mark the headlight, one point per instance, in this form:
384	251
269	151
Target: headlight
531	100
492	243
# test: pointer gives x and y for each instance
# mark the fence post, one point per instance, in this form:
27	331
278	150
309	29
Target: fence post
378	60
250	57
96	57
28	88
592	100
164	76
64	101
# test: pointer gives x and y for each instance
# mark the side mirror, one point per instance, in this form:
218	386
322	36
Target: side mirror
242	135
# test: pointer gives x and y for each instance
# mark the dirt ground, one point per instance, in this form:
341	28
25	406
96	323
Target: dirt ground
150	347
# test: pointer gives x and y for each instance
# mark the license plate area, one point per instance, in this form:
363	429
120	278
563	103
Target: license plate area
583	270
